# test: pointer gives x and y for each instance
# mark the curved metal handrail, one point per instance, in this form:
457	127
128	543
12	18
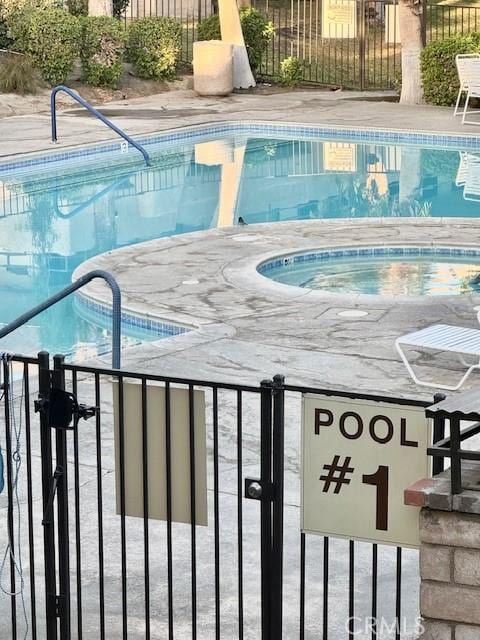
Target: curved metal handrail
93	111
78	284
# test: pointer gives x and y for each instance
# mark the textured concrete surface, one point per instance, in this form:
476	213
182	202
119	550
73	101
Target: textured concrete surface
29	133
291	330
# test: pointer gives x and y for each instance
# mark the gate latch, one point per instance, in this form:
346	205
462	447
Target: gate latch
255	489
63	408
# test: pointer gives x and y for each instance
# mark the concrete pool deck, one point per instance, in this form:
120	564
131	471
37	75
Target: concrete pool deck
31	133
248	327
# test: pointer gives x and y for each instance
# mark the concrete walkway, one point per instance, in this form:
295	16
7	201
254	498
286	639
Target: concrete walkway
29	133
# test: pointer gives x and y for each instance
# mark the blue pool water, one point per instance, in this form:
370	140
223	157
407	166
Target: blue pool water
56	214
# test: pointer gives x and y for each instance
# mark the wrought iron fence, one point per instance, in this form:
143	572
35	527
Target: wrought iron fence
358	47
93	553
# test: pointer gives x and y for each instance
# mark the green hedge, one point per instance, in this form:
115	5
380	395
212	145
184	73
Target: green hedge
154	46
103	42
439	73
257	32
51	37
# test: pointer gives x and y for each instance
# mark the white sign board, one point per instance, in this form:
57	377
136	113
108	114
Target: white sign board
157	452
339	19
358	457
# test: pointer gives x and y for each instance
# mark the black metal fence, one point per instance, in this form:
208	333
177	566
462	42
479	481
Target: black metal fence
89	555
351	43
457	423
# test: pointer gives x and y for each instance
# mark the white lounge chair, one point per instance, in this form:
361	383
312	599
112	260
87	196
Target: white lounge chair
447	338
462	76
471	80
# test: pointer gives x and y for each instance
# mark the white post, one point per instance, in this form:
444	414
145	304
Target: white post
100	8
231	31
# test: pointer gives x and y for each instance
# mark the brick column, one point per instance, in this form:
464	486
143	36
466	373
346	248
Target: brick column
449	560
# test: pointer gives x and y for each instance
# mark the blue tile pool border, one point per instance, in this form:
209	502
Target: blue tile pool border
144	324
320	255
192	133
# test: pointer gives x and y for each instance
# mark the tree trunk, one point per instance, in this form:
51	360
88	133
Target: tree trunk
412	39
231	31
100	7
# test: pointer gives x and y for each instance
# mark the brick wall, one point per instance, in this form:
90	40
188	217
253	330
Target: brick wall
450	572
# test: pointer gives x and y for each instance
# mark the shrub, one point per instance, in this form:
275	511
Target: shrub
102	48
10	10
209	29
8	7
439	74
51	37
154	46
78	7
257	33
18	75
291	71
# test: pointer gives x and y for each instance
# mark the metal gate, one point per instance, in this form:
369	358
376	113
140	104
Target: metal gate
342	43
89	555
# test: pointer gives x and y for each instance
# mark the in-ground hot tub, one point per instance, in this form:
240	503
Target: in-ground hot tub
387	270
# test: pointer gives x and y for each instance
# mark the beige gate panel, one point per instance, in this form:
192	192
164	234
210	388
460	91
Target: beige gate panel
358	457
156	439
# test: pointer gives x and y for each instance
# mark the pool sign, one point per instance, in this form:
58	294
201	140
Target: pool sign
358	457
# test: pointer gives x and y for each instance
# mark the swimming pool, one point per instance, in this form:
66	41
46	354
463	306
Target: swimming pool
57	211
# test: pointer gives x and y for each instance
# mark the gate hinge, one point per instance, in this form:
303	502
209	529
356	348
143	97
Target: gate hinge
255	489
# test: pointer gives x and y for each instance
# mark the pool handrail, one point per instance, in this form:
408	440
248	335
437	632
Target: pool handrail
63	293
93	111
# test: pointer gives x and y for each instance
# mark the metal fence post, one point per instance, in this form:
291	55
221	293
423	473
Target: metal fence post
278	477
271	482
266	505
361	42
438	464
455	460
63	599
44	384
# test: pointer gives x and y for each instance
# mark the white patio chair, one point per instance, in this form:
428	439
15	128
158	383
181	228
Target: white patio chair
471	79
462	78
445	338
